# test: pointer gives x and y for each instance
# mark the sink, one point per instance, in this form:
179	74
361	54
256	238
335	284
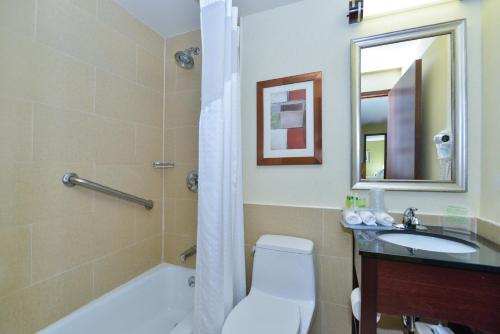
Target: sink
428	242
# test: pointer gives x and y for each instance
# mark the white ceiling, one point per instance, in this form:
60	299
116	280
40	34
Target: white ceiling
174	17
397	55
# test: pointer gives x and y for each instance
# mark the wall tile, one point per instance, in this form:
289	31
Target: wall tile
335	279
34	192
333	318
148	223
337	241
117	17
70	29
31	309
115	142
16	132
118	268
139	180
186	145
37	73
18	16
124	100
169	147
183	109
150	70
60	244
293	221
148	144
64	136
88	5
186	217
15	259
174	245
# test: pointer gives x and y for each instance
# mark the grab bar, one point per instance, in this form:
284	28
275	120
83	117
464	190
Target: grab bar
187	253
72	179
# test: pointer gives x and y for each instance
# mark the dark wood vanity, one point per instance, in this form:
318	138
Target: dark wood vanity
460	288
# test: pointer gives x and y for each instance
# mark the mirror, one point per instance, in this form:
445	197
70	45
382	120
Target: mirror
409	109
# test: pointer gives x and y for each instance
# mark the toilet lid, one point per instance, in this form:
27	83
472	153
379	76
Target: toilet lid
263	314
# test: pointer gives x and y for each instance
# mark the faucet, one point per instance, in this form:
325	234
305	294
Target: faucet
410	221
187	253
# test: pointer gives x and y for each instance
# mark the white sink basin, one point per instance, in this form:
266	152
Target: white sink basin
427	242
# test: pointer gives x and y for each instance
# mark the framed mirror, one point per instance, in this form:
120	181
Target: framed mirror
409	109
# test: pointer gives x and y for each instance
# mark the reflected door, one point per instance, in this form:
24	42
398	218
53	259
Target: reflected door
403	125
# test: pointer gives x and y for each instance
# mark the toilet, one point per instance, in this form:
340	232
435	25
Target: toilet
282	298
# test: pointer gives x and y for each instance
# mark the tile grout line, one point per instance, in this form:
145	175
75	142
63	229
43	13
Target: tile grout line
164	156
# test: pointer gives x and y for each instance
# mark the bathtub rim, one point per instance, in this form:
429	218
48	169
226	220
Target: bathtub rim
114	292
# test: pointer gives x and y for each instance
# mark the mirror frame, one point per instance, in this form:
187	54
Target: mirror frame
456	30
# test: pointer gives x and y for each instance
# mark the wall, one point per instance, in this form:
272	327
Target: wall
377	157
182	109
490	190
319	39
81	89
436	102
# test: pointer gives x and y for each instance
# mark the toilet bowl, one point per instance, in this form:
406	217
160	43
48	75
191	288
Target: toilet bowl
282	298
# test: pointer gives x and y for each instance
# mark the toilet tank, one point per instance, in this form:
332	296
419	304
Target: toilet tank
285	267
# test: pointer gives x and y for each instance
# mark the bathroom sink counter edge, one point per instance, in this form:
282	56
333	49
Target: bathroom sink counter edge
485	258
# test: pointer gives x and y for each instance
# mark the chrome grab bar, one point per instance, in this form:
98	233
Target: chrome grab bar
187	253
72	179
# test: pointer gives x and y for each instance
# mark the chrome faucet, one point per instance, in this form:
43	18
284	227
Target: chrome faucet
187	253
410	221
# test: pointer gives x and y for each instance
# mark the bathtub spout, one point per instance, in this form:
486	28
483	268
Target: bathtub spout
187	253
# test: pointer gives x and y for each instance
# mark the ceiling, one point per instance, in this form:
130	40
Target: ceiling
173	17
397	55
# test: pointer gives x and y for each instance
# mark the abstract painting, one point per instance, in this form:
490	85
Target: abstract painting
289	120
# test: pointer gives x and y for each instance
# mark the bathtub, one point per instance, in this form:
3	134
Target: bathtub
158	301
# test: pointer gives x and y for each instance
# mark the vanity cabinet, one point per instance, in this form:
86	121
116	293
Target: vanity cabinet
463	288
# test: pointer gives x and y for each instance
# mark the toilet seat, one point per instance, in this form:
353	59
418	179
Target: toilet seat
263	314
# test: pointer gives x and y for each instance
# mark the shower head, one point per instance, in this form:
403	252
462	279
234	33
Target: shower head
185	58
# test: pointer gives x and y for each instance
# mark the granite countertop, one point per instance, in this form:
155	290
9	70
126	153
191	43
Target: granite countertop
486	258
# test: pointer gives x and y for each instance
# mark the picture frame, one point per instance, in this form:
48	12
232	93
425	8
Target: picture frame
289	125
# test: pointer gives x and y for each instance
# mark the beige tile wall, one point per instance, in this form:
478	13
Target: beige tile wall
81	89
182	110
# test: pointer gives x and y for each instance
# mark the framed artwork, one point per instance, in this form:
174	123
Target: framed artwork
289	120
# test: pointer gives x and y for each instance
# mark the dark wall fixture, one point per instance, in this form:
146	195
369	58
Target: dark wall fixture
355	11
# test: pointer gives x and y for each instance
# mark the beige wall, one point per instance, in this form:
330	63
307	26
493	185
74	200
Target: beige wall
182	110
319	40
81	89
490	173
436	102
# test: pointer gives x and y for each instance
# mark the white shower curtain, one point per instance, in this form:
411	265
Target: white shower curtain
220	262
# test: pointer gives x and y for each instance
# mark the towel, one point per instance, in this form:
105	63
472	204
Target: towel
383	218
368	218
351	217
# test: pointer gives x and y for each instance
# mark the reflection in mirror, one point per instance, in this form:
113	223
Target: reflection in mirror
406	110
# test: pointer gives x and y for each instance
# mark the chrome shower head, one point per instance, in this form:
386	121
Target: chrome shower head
185	58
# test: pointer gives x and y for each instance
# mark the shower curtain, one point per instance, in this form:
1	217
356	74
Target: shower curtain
220	262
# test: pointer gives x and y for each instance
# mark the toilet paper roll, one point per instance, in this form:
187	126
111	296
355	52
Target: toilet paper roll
356	304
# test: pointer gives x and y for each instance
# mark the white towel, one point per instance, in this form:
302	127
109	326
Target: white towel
368	218
383	218
351	217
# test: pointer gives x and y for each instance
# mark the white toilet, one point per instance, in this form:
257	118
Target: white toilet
282	298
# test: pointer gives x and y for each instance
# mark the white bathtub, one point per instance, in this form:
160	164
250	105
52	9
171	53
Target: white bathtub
155	302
